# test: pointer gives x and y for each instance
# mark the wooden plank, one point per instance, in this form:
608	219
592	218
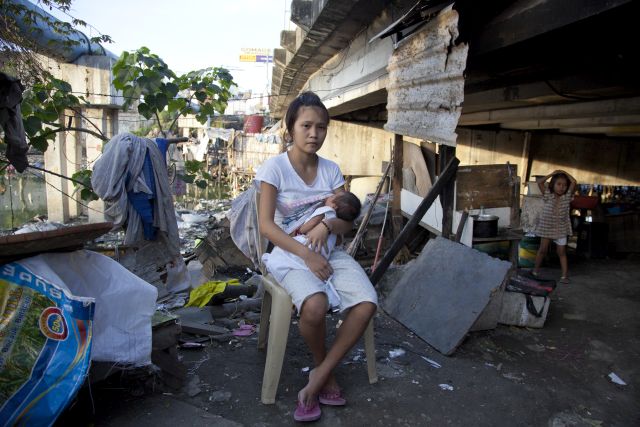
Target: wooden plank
461	225
20	245
490	186
446	154
396	185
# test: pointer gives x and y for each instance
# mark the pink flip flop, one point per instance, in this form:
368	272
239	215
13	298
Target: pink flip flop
305	415
332	398
244	331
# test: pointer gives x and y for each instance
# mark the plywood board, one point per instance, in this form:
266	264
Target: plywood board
18	246
443	293
490	186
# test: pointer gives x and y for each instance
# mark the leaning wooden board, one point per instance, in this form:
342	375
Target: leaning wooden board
18	246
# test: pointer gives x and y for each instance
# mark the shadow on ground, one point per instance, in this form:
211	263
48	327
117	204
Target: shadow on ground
555	376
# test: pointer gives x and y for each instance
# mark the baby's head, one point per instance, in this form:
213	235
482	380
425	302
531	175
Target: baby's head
346	204
559	184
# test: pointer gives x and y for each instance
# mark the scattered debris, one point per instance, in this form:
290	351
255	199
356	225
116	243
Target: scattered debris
193	387
220	396
218	252
244	331
396	353
616	379
432	362
192	345
513	377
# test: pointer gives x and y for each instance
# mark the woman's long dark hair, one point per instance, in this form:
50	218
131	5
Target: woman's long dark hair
305	99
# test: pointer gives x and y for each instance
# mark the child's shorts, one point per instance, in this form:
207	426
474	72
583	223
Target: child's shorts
561	241
350	280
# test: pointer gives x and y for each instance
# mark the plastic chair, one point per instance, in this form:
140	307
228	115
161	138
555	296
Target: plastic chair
275	319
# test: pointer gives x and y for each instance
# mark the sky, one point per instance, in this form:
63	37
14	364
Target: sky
191	34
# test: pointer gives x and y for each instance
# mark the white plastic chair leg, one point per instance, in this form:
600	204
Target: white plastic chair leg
265	312
370	352
278	334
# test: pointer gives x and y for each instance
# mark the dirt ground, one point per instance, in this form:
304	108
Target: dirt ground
555	376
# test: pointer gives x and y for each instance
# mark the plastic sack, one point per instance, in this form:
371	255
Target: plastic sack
124	302
45	343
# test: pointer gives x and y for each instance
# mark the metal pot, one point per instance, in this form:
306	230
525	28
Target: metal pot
485	225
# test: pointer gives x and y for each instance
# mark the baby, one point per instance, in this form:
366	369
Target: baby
343	205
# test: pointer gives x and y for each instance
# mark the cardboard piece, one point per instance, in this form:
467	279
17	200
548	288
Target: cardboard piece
441	295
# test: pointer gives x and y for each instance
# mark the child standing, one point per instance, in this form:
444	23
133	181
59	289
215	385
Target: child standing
554	223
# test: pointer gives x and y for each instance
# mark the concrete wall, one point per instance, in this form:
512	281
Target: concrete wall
598	160
359	150
90	77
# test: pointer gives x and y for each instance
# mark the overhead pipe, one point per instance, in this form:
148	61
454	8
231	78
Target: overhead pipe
63	47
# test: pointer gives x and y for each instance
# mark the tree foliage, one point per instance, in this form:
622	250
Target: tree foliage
144	77
18	26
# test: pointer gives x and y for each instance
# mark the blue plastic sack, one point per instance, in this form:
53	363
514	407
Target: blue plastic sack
45	345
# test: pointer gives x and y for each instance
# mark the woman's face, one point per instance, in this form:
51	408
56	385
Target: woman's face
309	130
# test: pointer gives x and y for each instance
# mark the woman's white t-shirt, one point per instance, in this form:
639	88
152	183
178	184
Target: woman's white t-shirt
296	200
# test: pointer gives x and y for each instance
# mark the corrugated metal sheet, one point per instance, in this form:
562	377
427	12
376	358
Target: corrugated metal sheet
248	152
426	82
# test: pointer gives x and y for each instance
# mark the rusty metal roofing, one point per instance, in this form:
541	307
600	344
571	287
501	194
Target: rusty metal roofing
426	79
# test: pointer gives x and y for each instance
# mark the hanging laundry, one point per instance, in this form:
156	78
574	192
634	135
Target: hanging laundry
11	121
131	176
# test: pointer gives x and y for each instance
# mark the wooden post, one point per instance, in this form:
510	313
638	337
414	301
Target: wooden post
396	212
446	197
463	221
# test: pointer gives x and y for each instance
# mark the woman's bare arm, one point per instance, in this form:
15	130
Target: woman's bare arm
309	225
541	181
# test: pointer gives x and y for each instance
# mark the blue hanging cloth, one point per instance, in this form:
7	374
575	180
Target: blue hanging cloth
143	202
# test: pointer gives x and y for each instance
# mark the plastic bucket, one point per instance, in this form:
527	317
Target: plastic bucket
253	124
527	250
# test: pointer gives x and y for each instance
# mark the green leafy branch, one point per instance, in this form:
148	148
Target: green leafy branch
143	77
43	107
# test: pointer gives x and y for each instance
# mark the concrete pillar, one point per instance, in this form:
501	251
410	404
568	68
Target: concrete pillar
73	156
93	146
54	161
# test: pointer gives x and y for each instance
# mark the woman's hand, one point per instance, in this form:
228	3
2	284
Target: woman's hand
318	265
317	238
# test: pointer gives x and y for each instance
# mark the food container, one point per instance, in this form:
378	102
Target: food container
485	225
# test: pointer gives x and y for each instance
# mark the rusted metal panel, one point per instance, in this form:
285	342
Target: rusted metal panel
426	82
249	152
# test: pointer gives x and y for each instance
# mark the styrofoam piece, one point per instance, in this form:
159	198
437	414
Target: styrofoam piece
514	310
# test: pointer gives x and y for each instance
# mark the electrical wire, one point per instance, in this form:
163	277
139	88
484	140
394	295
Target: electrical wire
72	198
